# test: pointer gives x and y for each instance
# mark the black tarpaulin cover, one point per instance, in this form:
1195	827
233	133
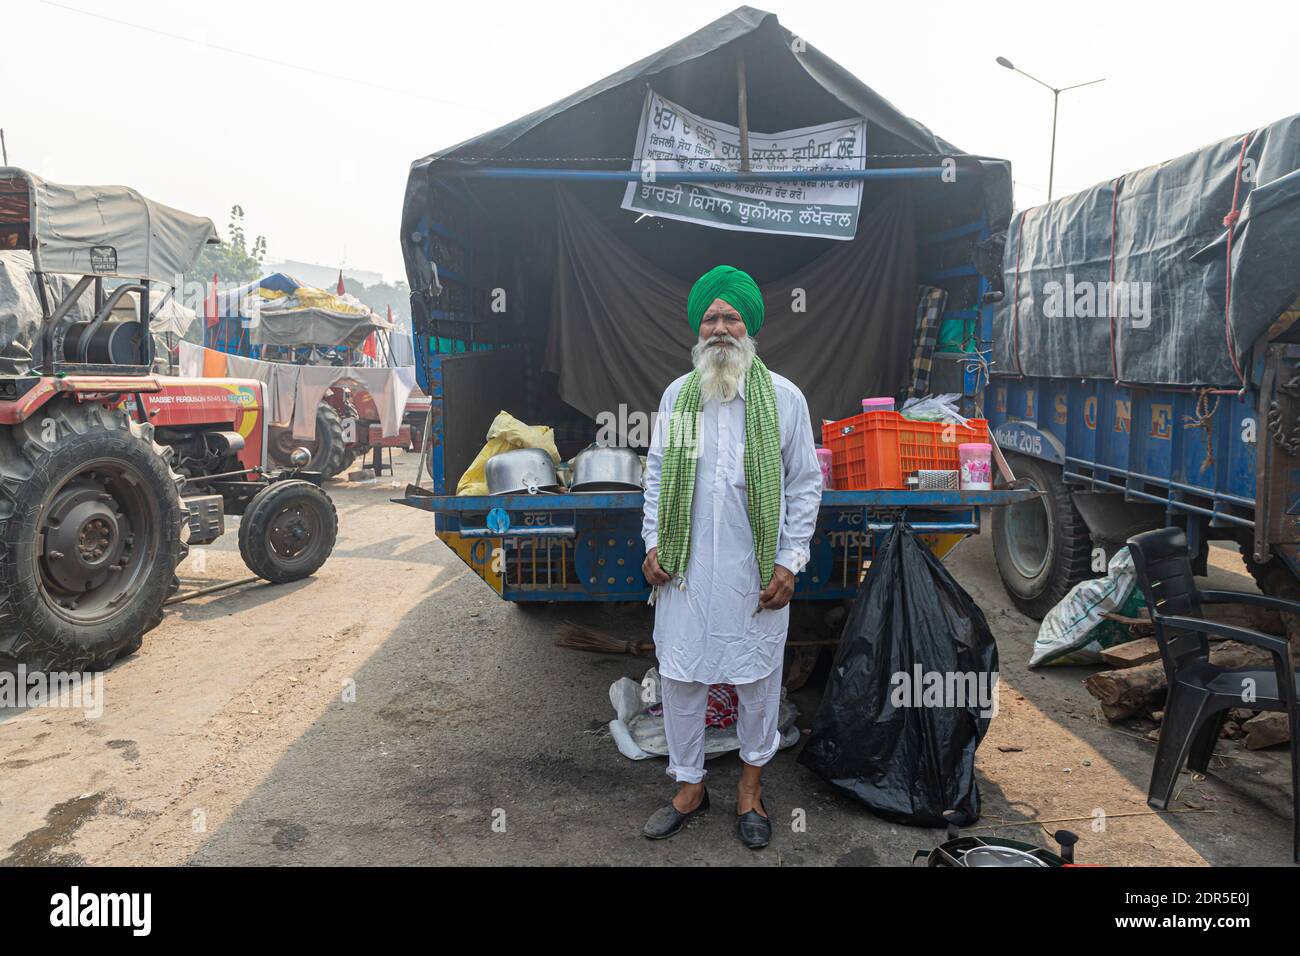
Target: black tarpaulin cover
790	84
1161	230
852	337
879	734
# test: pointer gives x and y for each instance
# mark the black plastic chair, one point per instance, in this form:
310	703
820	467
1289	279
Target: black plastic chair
1202	693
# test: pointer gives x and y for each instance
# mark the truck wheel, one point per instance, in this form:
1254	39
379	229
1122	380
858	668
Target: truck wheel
90	536
326	448
1042	546
288	531
1273	577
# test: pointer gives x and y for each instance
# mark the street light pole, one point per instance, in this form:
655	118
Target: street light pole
1056	103
1051	163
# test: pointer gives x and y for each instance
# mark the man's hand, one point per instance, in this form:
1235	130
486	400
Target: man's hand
779	591
653	573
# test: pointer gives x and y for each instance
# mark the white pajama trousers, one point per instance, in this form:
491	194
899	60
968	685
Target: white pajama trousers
685	703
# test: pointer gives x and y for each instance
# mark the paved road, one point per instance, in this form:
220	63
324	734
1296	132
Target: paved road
392	710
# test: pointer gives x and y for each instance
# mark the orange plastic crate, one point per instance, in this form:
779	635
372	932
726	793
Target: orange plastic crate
880	449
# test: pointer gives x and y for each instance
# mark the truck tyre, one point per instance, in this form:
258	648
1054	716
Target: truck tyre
1273	577
288	531
327	448
1042	546
90	537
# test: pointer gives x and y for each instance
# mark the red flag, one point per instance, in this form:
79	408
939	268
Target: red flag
210	303
341	289
370	347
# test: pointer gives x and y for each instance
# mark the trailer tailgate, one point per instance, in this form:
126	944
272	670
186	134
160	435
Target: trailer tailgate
587	547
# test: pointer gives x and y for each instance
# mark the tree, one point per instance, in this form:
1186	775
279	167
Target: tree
380	295
233	260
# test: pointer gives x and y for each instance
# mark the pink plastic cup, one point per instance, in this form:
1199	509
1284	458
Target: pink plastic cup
824	458
976	460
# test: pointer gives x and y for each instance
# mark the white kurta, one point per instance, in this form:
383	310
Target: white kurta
708	631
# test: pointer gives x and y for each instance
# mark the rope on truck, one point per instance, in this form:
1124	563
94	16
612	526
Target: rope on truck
1204	419
1230	223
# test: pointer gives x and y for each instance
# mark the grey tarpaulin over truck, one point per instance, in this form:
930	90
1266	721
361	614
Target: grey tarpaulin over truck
1146	365
534	292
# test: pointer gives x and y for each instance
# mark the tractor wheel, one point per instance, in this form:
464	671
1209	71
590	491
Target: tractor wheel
327	448
349	457
1042	546
288	531
90	537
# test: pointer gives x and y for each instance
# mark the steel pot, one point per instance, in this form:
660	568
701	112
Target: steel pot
521	471
597	468
973	851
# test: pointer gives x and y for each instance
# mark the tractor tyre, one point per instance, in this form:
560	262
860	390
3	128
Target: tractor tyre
90	536
327	448
288	531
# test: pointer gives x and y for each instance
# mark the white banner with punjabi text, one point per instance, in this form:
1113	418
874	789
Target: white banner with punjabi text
671	139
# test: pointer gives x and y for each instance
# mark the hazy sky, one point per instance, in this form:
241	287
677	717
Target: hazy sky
319	163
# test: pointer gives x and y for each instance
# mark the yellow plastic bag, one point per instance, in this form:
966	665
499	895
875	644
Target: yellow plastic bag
505	434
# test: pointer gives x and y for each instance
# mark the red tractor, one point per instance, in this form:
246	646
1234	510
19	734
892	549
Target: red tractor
279	321
360	430
109	473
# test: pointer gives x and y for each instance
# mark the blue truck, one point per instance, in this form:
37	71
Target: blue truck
520	262
1172	397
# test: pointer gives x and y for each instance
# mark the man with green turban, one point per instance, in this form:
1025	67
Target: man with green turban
731	496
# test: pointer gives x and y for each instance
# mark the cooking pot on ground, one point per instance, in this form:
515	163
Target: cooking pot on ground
598	468
521	471
973	851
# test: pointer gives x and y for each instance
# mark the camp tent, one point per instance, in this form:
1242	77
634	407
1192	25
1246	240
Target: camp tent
278	310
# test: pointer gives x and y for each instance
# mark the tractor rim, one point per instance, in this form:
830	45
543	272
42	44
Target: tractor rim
283	444
98	529
294	532
1029	536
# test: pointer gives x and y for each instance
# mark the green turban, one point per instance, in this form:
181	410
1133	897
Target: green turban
738	289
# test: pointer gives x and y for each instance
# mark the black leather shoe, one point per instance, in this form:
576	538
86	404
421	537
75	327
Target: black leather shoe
754	829
668	820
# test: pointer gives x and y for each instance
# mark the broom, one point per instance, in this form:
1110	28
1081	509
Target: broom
581	638
578	637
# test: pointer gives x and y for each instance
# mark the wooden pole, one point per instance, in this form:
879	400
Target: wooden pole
742	105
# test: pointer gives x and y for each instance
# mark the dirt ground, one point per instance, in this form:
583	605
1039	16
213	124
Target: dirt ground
391	710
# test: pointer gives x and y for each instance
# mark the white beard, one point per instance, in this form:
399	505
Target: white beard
723	367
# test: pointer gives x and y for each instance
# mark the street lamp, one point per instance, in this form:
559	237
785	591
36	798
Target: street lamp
1056	99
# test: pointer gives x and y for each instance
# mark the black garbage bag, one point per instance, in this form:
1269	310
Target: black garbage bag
911	693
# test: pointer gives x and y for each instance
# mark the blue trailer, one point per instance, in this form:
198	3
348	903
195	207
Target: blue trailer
1182	414
479	230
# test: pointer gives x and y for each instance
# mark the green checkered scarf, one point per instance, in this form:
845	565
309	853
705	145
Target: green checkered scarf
763	472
